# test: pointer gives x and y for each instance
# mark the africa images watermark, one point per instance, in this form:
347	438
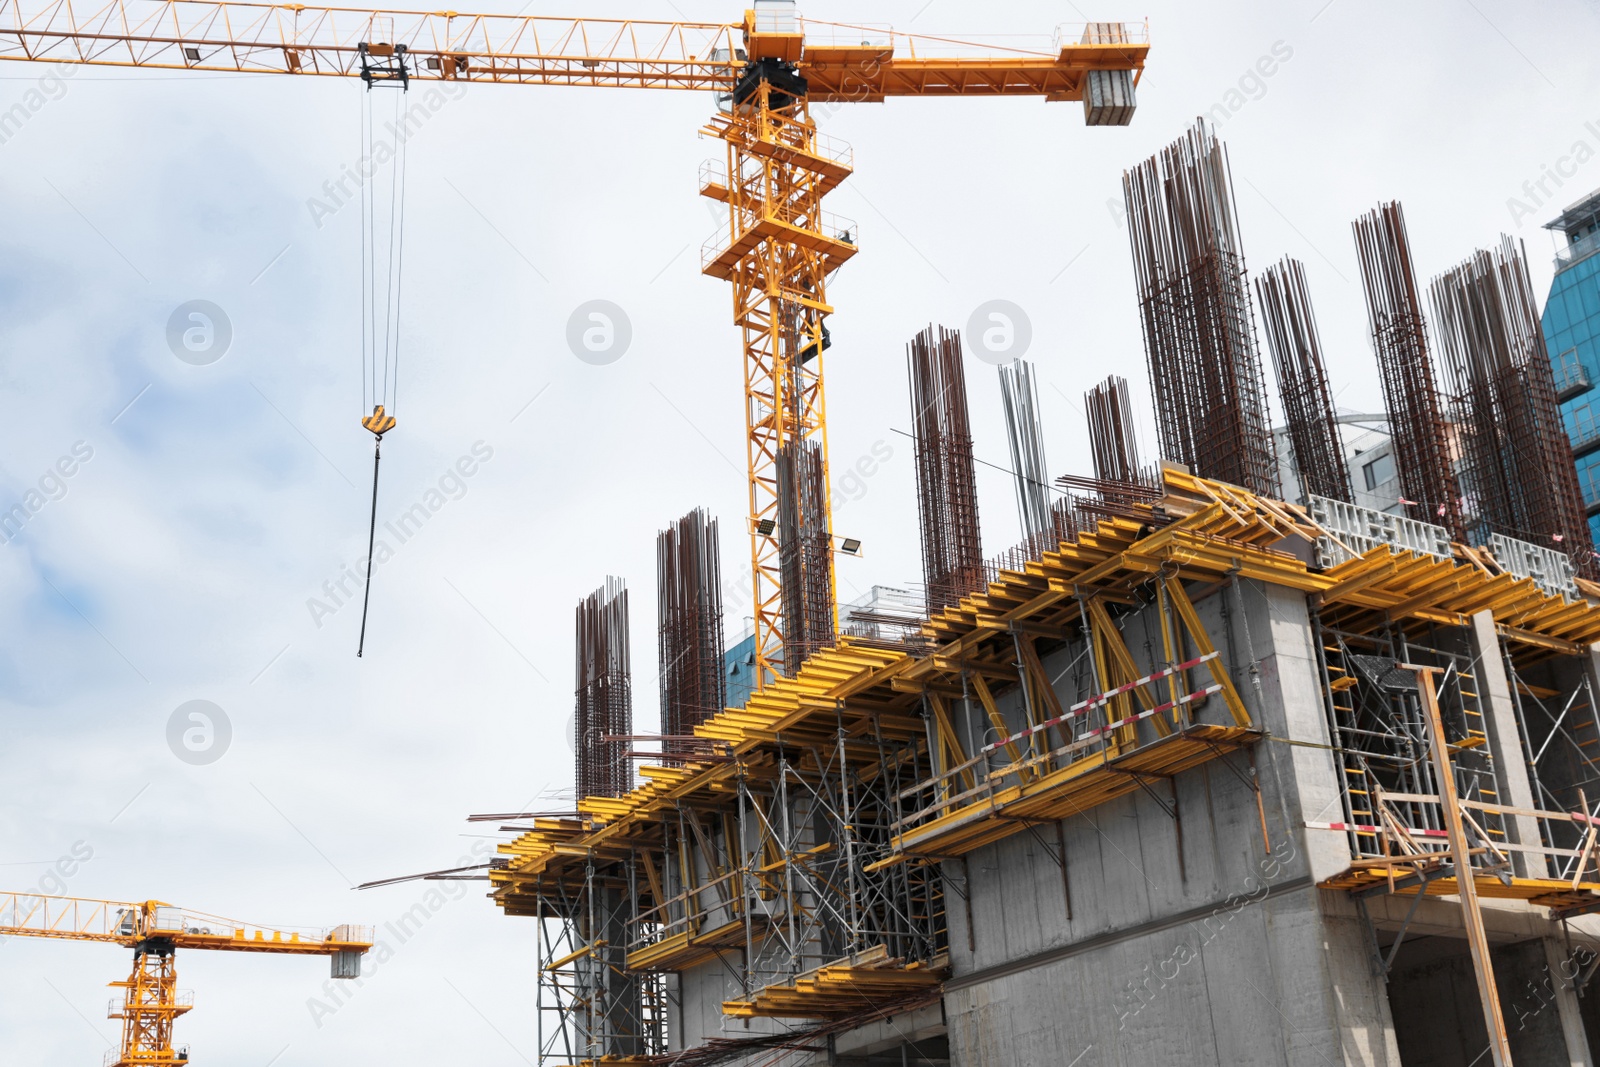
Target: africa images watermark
1530	1000
1250	86
1538	192
199	732
451	485
51	486
347	186
395	934
53	883
851	486
1140	994
50	86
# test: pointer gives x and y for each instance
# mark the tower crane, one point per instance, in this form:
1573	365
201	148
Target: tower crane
150	1001
778	247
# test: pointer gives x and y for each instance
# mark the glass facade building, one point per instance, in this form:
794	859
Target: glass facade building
1572	334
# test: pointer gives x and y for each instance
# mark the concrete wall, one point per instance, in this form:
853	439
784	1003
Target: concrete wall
1439	1019
1185	941
1232	956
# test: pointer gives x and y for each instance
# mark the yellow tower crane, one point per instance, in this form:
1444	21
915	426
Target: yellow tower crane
778	247
150	1001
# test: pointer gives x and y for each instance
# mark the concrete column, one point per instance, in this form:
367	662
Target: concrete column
1590	661
1505	745
1302	780
1566	999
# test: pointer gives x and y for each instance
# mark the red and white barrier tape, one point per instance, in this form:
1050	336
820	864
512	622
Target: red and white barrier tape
1110	695
1364	828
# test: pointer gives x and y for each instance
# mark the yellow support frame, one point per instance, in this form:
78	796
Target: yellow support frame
945	730
1202	642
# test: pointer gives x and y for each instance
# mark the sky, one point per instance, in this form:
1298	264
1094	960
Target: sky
213	497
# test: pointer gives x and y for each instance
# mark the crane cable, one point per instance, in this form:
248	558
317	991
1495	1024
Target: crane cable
380	366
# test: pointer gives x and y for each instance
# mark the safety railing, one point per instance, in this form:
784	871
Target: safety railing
1105	724
181	1001
1578	250
1572	377
857	35
713	172
687	913
1354	530
1583	429
1407	828
1069	33
827	224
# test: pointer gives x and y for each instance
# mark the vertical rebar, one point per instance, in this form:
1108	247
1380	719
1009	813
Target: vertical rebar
604	704
1296	347
1199	329
805	556
947	495
1518	475
1031	476
689	627
1111	437
1399	337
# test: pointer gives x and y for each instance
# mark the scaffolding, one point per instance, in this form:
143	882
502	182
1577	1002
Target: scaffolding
802	854
764	852
795	848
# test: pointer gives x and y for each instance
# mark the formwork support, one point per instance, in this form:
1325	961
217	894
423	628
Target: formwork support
1461	859
589	1005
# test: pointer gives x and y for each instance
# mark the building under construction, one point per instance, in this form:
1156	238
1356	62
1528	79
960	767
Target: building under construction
1195	774
1191	774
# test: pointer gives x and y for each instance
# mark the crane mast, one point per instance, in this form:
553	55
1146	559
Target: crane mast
778	250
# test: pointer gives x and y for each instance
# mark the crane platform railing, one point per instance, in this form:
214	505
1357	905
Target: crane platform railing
181	1001
882	36
179	1056
840	229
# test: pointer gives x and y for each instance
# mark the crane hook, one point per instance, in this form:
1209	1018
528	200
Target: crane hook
379	424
